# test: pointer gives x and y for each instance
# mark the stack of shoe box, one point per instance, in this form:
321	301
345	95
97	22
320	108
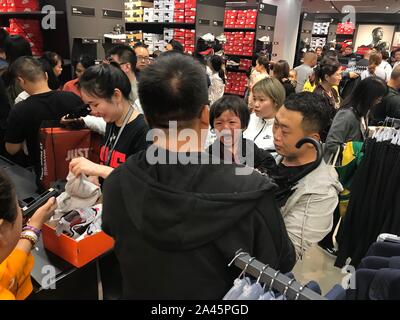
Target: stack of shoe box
345	28
186	37
236	83
135	10
28	29
245	19
154	41
168	11
239	43
245	64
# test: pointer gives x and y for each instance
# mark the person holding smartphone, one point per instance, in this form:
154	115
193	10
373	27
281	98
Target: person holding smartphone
16	241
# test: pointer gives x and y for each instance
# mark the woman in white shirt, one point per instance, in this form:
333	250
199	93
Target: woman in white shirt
268	96
217	78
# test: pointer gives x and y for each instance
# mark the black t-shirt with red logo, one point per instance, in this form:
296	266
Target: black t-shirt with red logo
132	140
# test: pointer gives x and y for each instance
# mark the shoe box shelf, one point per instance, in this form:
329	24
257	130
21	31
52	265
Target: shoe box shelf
171	17
23	17
245	24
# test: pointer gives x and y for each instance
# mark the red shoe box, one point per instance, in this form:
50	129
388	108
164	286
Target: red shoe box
179	39
239	43
179	5
231	14
191	19
190	12
179	33
22	5
190	4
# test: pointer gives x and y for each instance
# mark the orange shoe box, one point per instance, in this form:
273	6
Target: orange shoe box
77	253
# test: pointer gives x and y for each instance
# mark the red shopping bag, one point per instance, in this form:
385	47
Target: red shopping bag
58	147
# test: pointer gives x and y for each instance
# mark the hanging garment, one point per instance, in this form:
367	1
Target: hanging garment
384	249
251	292
270	295
237	289
376	263
374	203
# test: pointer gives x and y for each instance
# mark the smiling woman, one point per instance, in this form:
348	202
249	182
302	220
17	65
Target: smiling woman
106	89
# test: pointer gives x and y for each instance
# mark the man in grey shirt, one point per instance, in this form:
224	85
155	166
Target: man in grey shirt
305	70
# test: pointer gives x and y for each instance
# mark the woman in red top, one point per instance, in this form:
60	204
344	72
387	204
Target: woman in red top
83	63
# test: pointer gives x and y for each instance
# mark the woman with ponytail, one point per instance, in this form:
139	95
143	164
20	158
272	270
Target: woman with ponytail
217	77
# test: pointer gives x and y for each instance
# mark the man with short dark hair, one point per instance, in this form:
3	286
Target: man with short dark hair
177	218
143	57
390	105
308	206
125	56
26	117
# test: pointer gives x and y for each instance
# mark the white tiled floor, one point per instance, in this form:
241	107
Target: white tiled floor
318	266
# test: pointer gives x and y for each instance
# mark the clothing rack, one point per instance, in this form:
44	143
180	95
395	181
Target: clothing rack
392	122
291	289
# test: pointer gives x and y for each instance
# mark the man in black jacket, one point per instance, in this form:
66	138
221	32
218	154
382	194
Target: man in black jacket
178	219
390	105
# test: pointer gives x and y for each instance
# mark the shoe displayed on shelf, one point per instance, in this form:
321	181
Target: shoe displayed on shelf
208	37
264	39
221	38
232	63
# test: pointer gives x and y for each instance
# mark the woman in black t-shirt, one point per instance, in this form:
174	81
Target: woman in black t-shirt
106	89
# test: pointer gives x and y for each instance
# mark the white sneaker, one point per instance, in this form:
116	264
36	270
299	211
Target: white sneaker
208	37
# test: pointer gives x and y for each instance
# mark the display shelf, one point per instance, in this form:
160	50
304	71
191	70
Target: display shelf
157	27
240	29
229	69
5	16
239	56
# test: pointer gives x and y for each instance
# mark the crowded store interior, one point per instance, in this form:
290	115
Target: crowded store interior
199	150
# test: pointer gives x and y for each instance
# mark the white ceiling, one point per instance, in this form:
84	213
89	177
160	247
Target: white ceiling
323	6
